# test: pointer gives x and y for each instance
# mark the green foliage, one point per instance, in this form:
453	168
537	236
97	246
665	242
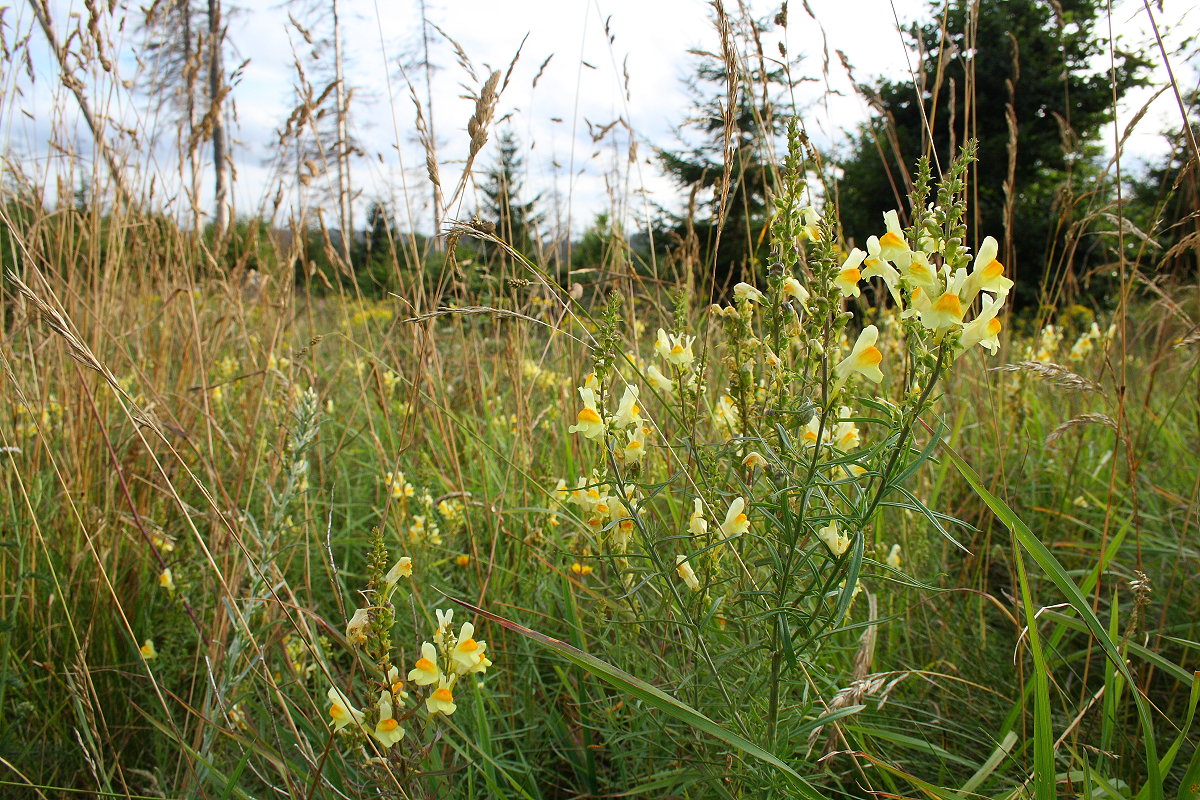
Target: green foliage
1031	61
516	222
728	186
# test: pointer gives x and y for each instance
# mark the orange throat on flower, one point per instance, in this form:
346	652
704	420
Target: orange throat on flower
949	304
443	695
468	646
425	665
870	356
890	239
388	725
589	416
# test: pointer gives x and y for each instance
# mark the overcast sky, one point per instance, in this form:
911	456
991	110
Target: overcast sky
592	45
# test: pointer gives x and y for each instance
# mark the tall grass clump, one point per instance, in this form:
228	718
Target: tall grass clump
457	517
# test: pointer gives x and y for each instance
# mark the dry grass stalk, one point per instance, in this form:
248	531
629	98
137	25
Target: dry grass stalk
1053	374
1075	422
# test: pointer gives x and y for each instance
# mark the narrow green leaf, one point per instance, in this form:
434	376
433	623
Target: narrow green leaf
645	692
1058	575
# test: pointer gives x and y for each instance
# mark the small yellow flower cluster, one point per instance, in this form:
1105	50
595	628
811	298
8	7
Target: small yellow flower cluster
598	509
277	363
627	425
398	488
735	524
1089	340
446	660
371	314
539	376
29	421
226	369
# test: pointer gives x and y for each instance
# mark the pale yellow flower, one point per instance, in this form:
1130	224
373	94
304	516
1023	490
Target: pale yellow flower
467	652
356	628
697	524
147	650
387	730
589	422
442	700
746	293
864	358
736	522
674	349
628	412
635	447
834	539
685	571
848	277
341	711
659	381
893	557
795	290
166	580
892	245
987	273
401	569
426	671
754	460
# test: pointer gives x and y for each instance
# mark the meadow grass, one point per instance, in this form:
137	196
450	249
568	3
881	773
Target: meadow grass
207	471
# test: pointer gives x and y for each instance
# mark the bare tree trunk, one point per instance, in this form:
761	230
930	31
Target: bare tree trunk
345	214
216	117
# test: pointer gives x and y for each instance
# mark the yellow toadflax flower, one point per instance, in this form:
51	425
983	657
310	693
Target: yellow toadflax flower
401	569
946	312
147	650
795	290
426	671
628	412
356	628
987	274
659	381
387	731
810	228
744	292
984	330
754	460
726	413
834	539
442	700
849	276
892	245
468	653
589	422
864	358
697	524
340	710
736	522
893	557
635	448
166	580
685	571
674	349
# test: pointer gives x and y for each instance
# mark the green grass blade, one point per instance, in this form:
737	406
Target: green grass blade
650	695
1059	577
1043	731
